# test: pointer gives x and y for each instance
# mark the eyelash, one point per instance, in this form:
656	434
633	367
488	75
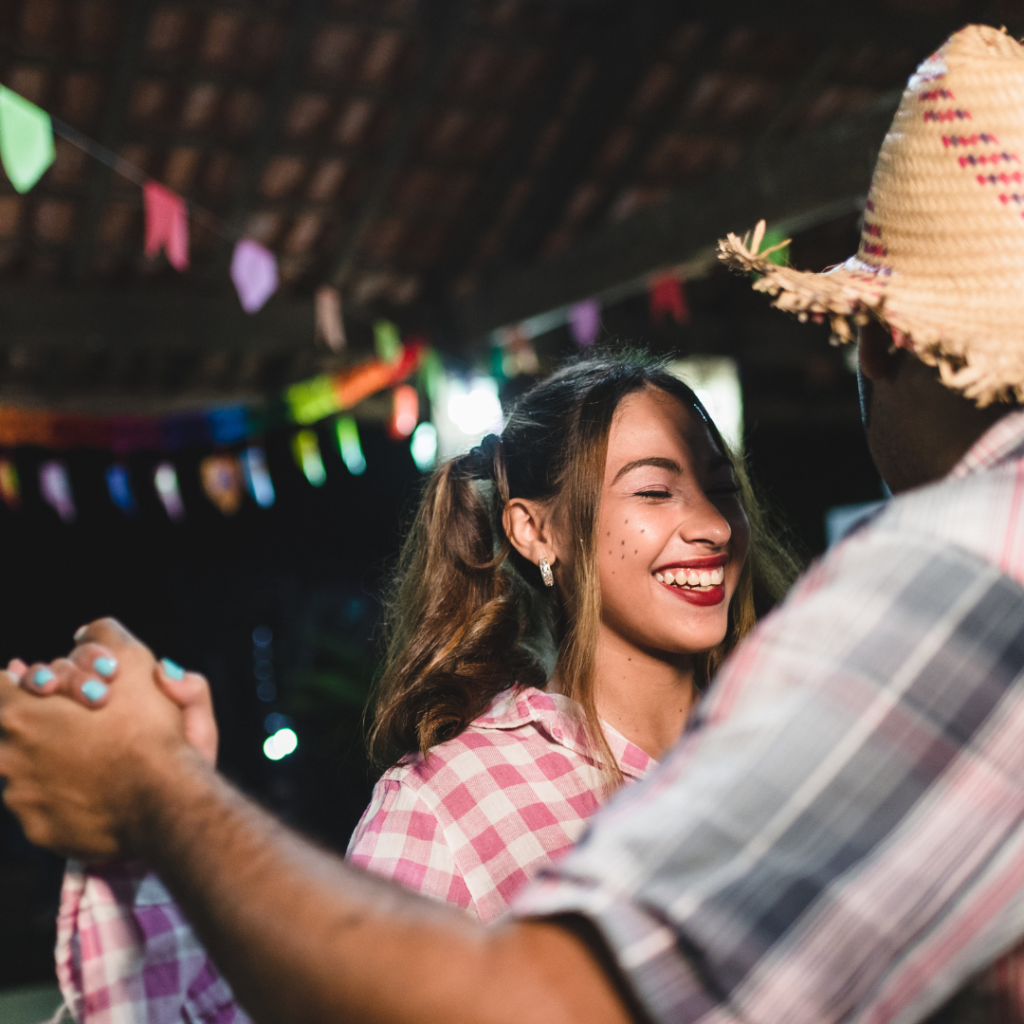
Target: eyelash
653	494
727	489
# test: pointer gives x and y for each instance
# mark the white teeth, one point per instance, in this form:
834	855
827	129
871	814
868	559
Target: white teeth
693	578
705	579
717	575
658	576
669	578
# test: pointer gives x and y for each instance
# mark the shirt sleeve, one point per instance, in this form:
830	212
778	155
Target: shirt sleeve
839	834
126	955
400	837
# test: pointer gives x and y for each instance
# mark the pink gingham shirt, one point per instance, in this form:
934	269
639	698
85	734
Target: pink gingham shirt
470	824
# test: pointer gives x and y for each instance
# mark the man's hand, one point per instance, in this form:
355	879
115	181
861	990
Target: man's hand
77	779
87	673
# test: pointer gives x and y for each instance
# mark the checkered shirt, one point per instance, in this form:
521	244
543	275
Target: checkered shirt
839	836
470	824
479	816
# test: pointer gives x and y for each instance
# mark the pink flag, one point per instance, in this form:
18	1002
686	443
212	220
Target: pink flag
166	224
668	298
56	489
329	324
585	321
254	271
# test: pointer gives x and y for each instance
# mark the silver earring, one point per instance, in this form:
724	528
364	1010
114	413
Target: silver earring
545	572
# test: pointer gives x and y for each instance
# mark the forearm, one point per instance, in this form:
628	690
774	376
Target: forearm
303	936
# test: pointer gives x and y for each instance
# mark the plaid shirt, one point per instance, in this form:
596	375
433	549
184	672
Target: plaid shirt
470	824
840	834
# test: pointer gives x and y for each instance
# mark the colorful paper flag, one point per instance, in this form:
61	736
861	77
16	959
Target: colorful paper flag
228	425
165	480
329	325
119	486
772	238
306	450
257	476
166	224
668	298
10	486
405	412
55	487
26	140
222	481
254	273
349	446
423	446
387	341
312	400
585	321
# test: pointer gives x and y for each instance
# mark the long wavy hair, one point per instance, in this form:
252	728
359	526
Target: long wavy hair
466	615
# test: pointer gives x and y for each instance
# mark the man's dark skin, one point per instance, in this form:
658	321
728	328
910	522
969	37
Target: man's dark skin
300	935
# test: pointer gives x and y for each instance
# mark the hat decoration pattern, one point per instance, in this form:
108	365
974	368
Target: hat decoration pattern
941	255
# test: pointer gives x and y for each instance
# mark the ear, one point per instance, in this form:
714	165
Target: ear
528	526
878	356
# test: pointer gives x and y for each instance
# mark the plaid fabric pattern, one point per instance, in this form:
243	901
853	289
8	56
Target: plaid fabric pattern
478	817
840	834
126	955
470	824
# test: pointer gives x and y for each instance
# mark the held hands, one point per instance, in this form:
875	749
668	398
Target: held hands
88	672
82	782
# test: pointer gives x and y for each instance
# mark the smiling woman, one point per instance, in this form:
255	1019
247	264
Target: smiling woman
565	593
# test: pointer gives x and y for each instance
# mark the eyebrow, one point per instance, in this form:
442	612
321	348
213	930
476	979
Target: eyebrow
719	462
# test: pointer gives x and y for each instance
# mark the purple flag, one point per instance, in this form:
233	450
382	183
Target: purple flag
254	271
585	321
56	489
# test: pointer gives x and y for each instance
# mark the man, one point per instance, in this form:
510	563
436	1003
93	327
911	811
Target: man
839	836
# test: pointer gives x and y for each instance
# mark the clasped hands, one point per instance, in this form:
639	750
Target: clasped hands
87	742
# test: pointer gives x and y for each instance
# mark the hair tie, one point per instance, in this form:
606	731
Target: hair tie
481	458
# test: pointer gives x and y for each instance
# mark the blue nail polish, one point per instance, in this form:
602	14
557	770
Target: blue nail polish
173	669
94	690
105	666
42	676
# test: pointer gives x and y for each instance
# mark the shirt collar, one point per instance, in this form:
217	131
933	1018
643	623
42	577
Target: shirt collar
1004	439
562	720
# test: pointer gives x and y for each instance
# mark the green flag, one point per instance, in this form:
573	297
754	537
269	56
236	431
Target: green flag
387	341
26	139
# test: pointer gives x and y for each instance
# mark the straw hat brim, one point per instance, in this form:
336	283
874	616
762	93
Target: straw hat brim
939	329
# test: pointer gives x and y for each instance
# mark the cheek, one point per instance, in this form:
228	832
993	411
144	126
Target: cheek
627	543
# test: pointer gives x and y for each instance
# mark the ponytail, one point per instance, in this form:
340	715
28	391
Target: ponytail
457	612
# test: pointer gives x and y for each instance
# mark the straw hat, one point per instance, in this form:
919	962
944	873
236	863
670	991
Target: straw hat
941	257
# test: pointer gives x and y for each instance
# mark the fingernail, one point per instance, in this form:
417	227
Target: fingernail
79	633
42	676
105	666
94	690
173	669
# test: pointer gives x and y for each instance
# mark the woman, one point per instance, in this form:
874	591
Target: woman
608	532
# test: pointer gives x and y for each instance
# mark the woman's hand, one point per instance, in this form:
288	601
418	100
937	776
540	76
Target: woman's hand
88	672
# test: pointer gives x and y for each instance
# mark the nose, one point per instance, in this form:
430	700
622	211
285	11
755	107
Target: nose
704	523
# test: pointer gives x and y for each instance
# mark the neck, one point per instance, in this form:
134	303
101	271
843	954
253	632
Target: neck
644	695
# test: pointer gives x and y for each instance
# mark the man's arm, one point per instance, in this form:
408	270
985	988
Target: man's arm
299	934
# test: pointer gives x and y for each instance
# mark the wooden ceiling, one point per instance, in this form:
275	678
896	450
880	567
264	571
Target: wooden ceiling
418	154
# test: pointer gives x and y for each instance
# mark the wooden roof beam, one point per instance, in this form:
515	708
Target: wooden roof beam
114	122
808	181
449	20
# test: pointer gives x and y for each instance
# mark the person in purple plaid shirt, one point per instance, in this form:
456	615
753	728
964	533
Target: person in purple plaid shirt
839	834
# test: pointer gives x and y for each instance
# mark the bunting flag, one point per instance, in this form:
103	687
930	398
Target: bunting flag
166	224
668	298
423	446
56	489
254	273
257	476
772	238
26	140
165	480
330	328
10	486
585	321
119	486
405	412
349	446
222	481
306	450
387	341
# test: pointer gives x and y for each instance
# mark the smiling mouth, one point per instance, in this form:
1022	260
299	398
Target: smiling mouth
693	579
